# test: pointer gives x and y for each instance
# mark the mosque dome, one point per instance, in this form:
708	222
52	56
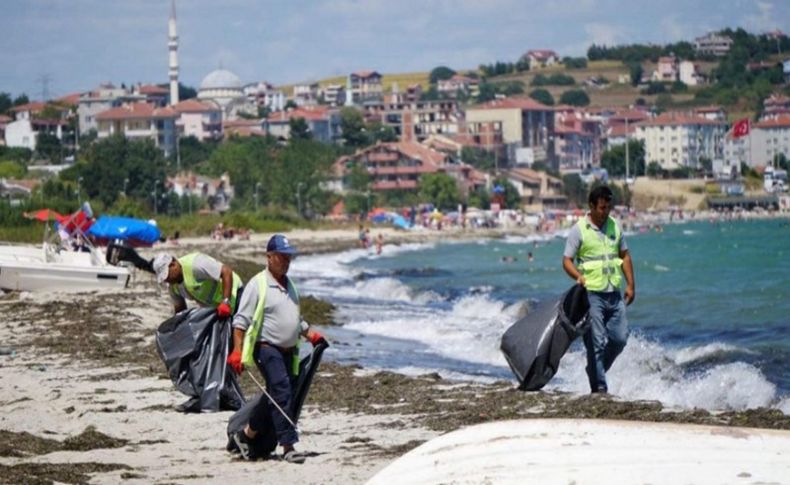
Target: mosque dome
221	79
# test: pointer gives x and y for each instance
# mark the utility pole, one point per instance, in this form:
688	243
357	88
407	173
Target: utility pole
44	79
627	142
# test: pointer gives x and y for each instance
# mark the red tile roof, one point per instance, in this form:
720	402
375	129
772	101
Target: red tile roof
674	118
72	99
632	115
618	130
778	122
5	119
136	111
541	53
708	109
526	104
366	74
32	106
194	106
153	89
312	113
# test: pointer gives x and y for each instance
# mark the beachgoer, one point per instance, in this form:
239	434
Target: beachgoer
530	258
266	332
363	237
597	244
379	243
200	278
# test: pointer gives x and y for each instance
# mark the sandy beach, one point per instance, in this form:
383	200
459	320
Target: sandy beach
87	400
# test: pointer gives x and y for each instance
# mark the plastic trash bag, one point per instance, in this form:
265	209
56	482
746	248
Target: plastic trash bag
194	345
265	441
534	345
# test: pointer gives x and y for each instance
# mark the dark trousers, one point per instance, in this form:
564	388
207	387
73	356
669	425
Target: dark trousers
276	367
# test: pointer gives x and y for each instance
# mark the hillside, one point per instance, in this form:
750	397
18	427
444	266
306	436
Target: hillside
403	79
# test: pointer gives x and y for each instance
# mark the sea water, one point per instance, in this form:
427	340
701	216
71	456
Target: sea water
710	327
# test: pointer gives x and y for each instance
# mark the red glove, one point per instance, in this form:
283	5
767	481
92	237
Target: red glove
234	361
223	310
315	338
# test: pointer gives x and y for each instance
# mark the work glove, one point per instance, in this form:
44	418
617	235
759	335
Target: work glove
316	338
223	310
234	361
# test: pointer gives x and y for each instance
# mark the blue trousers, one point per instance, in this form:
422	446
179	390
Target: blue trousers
275	366
607	336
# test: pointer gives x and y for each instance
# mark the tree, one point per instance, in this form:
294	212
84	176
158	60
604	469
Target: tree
5	102
655	87
635	70
613	159
194	152
49	147
186	92
299	129
575	97
112	160
542	96
479	158
441	73
487	92
21	99
379	132
574	189
439	189
654	170
512	197
290	104
353	128
12	170
781	161
575	62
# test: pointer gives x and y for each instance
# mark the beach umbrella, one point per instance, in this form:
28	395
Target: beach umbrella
43	215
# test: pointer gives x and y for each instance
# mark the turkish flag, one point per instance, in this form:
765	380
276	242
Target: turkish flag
740	128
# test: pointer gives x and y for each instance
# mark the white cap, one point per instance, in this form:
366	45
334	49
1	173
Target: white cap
161	267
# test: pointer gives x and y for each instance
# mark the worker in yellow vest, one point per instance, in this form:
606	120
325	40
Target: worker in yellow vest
200	278
597	245
266	331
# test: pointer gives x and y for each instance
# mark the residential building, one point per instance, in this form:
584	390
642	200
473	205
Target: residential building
621	126
399	166
767	139
415	121
786	69
538	58
676	139
225	89
459	84
104	97
524	122
334	94
265	95
141	121
157	95
666	69
412	94
538	190
217	192
365	86
323	122
252	127
715	113
688	73
306	94
198	119
4	121
774	106
29	122
713	44
577	138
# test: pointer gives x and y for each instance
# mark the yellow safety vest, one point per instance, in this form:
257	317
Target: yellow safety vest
598	257
251	335
200	291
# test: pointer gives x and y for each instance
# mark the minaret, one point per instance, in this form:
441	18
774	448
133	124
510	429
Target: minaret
172	46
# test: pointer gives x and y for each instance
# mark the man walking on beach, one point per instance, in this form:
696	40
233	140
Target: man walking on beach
266	332
598	246
200	278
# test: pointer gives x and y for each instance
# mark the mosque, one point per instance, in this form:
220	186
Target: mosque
220	87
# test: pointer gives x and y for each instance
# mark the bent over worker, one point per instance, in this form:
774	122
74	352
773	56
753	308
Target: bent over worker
200	278
266	332
597	244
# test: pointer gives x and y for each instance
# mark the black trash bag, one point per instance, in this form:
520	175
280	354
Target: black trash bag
534	345
265	441
194	345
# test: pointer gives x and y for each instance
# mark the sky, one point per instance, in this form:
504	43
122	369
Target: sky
77	44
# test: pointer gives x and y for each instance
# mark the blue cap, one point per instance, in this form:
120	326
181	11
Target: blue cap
280	244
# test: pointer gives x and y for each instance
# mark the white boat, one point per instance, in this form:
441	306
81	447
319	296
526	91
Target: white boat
52	268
